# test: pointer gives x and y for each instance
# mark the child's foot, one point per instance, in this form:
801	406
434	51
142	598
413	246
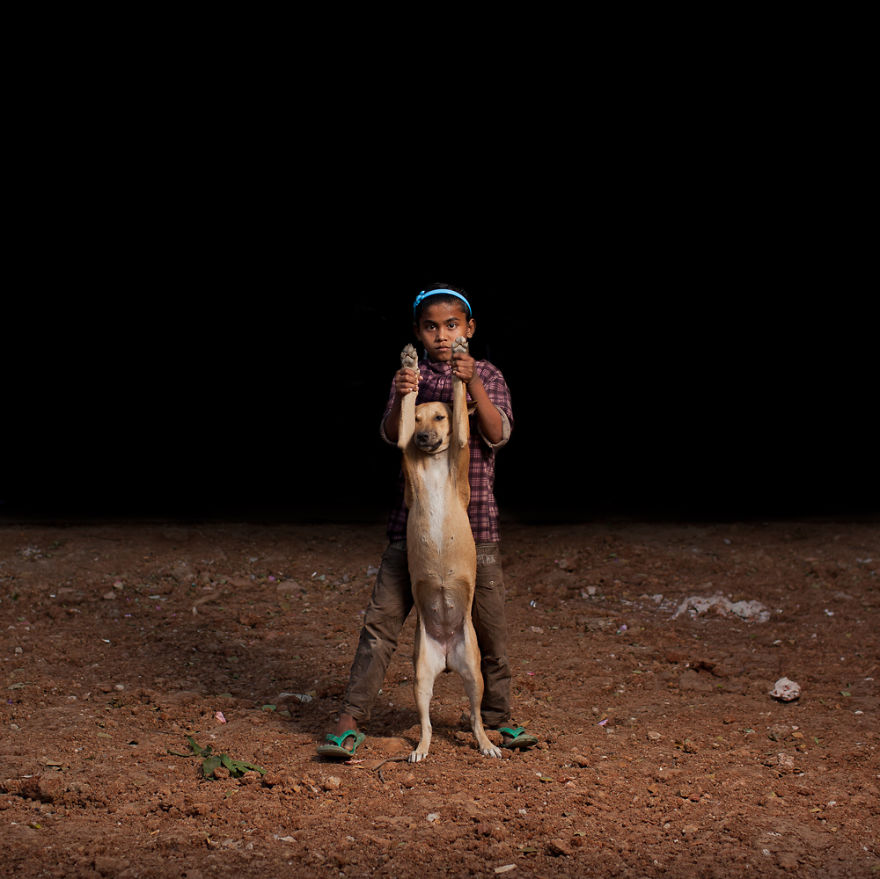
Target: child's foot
516	738
345	742
334	748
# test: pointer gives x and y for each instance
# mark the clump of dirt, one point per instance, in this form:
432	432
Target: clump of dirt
663	752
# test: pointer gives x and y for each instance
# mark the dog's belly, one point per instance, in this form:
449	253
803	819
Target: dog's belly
442	556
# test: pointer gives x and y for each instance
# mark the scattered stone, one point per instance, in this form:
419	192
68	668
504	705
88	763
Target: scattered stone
558	848
751	611
787	860
786	690
600	624
250	618
106	865
50	787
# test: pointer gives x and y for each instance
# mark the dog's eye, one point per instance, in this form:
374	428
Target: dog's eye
439	417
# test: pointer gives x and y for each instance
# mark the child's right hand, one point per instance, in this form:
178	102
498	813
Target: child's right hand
406	381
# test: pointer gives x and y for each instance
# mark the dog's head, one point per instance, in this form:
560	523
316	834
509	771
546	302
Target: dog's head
433	426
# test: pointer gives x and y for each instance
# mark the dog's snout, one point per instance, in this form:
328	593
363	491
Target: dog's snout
427	440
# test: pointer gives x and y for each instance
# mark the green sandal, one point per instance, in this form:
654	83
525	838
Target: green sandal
517	738
334	747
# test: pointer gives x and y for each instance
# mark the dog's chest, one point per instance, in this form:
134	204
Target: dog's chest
436	501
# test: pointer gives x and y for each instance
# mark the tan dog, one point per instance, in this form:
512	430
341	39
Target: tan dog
440	548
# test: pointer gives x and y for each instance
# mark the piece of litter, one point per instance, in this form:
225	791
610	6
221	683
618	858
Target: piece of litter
751	611
433	816
218	715
302	697
786	690
506	868
602	722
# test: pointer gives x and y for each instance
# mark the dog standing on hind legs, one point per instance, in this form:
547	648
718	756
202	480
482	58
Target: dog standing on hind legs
440	548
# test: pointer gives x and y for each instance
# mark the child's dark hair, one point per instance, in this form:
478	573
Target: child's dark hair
425	298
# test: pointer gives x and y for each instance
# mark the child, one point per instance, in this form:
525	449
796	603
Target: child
440	315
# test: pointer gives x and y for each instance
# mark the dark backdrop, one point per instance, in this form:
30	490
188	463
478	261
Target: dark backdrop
244	375
207	288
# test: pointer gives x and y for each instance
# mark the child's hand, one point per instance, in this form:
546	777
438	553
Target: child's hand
406	381
463	366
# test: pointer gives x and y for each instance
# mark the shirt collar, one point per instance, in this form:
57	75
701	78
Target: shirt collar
437	366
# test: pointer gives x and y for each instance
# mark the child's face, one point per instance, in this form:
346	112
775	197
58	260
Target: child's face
439	326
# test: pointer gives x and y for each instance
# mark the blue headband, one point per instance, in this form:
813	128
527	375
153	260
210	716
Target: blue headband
426	293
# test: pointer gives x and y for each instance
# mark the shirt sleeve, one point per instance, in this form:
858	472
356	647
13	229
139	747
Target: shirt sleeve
499	394
388	406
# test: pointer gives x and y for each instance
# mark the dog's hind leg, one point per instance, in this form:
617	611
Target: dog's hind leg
430	660
464	657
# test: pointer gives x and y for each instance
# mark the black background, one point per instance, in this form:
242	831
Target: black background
243	375
664	249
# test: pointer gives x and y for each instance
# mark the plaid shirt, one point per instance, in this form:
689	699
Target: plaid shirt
435	384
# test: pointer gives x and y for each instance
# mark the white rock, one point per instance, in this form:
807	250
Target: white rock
751	611
786	690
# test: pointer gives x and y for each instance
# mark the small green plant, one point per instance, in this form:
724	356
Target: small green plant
212	761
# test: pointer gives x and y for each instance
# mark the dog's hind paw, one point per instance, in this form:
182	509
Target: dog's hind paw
418	756
491	751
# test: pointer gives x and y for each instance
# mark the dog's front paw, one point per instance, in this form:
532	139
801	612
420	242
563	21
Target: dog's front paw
491	751
417	756
409	359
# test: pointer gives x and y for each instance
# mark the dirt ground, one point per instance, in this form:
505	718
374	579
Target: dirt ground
663	752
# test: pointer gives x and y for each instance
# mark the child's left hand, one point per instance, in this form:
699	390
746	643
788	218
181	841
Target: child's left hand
463	366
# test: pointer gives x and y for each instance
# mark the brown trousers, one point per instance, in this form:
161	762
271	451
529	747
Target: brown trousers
387	611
